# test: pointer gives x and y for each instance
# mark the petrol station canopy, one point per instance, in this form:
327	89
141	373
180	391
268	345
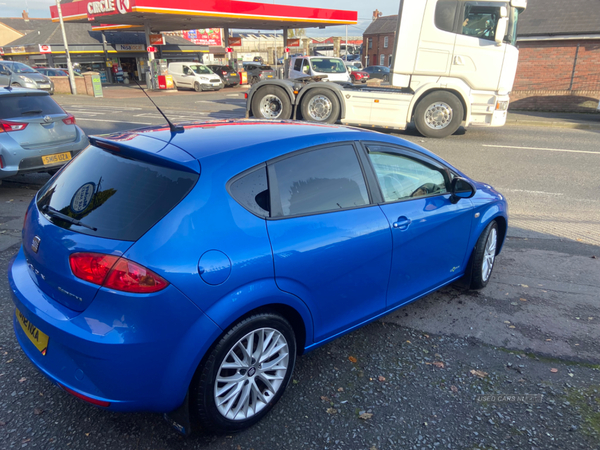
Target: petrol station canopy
170	15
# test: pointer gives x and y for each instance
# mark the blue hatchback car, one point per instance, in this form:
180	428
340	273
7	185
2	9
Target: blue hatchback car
163	270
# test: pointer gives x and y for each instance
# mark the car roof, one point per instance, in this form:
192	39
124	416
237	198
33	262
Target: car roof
17	91
248	142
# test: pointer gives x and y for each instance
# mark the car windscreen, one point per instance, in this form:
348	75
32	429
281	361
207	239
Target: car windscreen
13	106
121	198
328	65
22	68
199	69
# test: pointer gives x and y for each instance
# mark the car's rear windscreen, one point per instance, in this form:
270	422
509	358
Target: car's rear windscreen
122	198
14	106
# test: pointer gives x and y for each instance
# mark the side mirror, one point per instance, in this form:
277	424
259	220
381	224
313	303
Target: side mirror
5	72
461	188
501	28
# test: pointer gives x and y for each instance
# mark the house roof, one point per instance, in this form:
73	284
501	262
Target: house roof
560	17
82	34
22	25
383	25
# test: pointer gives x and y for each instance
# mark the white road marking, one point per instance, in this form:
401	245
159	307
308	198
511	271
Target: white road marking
112	121
542	149
111	108
530	192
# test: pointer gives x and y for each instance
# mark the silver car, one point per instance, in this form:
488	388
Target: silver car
36	134
17	74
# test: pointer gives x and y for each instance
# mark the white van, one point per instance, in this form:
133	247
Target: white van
192	75
311	66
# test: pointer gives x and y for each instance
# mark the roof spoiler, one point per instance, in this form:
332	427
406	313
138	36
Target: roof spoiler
157	152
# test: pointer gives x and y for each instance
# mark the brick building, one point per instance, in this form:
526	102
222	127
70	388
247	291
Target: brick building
378	40
559	56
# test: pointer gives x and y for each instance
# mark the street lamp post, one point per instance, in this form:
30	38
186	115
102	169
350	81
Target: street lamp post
69	65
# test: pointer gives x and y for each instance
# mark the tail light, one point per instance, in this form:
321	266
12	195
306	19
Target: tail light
116	273
70	120
6	126
224	72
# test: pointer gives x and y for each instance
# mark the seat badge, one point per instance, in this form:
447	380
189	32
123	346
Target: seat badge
47	119
35	244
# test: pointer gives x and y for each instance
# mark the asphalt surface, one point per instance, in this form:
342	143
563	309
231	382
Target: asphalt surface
414	380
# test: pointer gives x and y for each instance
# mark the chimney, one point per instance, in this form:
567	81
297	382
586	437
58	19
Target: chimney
25	16
376	15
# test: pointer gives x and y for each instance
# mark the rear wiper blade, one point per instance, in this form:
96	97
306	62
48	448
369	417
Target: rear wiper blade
53	212
35	111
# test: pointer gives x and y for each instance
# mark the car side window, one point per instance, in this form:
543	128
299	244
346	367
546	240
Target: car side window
298	64
402	177
186	70
325	179
251	190
306	66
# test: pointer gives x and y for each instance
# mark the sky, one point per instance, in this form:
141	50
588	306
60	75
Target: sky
41	8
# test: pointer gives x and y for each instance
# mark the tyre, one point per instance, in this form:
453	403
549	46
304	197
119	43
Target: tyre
438	114
245	374
271	102
484	256
320	105
197	87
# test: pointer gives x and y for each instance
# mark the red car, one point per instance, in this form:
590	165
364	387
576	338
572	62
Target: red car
358	75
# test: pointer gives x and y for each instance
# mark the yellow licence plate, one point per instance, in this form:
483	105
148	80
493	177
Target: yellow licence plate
269	76
59	157
39	339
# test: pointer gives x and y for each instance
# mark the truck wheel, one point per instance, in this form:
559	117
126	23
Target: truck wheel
320	105
438	114
271	102
245	374
197	87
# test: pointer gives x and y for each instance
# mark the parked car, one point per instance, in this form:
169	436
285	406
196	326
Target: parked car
153	267
356	64
258	72
36	134
227	73
310	66
357	75
17	74
381	72
196	76
55	72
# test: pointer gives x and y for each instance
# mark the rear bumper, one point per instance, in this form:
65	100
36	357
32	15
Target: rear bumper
210	87
138	353
17	160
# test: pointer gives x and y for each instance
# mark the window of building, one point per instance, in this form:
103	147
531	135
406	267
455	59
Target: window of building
327	179
382	60
390	60
385	41
370	41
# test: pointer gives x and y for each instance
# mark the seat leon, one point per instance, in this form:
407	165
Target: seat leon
185	271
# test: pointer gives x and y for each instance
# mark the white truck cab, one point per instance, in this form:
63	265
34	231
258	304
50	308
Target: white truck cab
192	75
454	63
310	66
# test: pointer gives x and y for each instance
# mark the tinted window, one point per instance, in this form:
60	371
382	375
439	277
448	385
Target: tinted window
445	14
298	65
252	192
328	65
401	177
122	198
22	68
320	180
12	106
265	68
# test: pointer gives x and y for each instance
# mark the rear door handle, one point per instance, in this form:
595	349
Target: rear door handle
402	223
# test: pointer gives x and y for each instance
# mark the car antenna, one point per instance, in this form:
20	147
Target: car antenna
174	128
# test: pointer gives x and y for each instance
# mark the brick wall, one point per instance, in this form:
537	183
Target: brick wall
378	48
557	76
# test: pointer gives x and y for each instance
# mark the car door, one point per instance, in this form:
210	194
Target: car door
430	233
331	244
4	75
